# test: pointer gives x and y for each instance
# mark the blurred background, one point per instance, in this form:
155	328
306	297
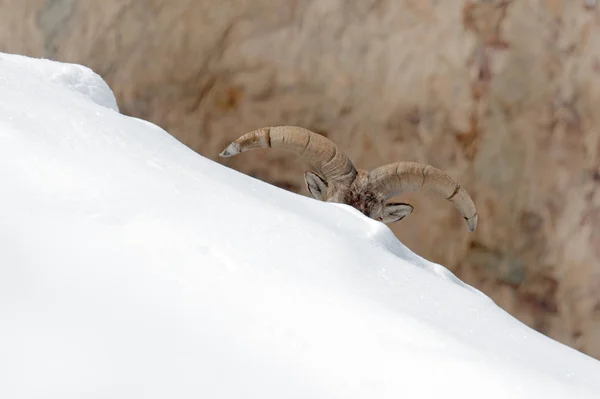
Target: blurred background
503	95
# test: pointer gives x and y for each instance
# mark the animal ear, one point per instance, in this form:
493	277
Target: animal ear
395	211
316	185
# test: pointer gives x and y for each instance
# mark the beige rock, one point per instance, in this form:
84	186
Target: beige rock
500	94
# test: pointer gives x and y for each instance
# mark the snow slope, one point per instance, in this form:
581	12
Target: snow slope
131	267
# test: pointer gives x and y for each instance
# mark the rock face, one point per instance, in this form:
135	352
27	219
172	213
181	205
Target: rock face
501	94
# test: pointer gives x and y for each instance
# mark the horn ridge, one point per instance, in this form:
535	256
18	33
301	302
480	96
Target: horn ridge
320	152
396	178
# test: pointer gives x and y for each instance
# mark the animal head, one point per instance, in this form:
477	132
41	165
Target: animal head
335	179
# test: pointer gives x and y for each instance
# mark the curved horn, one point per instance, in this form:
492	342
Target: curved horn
320	152
389	180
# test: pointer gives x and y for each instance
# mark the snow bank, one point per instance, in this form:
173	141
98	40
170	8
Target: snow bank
131	267
41	72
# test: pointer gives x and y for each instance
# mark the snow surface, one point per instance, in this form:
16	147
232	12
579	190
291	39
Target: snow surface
132	267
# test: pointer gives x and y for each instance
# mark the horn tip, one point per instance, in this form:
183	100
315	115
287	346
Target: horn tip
231	150
472	222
